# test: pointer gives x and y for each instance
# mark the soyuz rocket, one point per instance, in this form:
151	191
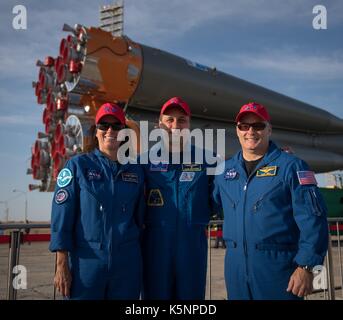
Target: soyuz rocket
93	67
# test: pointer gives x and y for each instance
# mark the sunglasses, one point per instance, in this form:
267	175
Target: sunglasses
104	126
257	126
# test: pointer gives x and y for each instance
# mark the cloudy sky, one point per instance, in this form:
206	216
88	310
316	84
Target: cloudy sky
267	42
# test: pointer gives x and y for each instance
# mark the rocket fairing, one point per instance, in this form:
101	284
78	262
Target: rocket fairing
93	67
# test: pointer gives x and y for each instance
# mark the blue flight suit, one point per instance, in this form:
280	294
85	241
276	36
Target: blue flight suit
97	216
274	220
174	238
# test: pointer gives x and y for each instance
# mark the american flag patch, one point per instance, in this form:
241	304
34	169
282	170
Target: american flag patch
306	177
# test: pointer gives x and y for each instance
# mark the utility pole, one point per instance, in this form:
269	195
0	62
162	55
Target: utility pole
25	193
7	210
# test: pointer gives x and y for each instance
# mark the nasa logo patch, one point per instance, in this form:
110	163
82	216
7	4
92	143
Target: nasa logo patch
231	174
93	175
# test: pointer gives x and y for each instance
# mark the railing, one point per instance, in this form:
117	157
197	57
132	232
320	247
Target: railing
331	273
16	238
334	258
333	267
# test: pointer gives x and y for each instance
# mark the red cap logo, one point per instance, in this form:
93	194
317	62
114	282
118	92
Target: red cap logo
110	109
255	108
176	101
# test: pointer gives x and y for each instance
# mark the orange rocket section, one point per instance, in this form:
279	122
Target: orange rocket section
119	62
92	67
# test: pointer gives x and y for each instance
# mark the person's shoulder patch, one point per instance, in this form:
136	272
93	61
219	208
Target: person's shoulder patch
64	178
267	171
306	177
155	198
61	196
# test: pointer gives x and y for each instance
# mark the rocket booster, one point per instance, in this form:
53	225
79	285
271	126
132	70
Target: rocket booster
93	67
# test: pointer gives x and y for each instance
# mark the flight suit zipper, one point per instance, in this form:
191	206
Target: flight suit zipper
245	246
176	175
113	245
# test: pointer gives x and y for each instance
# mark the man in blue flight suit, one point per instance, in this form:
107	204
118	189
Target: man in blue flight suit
275	226
174	238
97	215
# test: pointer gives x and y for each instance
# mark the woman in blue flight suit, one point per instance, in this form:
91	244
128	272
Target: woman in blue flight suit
97	214
178	211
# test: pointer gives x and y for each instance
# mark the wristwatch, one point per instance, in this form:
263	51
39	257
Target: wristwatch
307	268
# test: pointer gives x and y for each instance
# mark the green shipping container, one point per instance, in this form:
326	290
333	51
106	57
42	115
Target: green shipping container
334	201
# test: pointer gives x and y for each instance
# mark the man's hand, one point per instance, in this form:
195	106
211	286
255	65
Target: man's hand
301	282
62	280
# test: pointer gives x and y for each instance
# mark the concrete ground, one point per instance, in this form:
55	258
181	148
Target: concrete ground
39	263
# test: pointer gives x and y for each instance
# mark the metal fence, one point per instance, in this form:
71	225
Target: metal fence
328	280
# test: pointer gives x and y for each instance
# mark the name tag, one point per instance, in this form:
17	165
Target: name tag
129	177
191	167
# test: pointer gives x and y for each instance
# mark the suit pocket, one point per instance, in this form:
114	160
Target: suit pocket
230	221
276	246
230	244
89	244
315	201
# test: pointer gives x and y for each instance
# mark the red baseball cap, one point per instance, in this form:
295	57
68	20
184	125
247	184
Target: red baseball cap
255	108
176	101
110	109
